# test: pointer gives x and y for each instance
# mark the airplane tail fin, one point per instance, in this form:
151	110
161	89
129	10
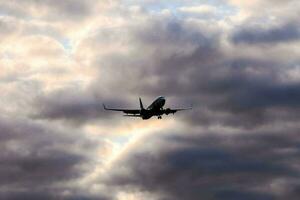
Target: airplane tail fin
141	104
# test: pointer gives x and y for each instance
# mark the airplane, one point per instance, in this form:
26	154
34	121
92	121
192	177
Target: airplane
155	109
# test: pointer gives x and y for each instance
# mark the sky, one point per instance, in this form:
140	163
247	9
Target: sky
237	62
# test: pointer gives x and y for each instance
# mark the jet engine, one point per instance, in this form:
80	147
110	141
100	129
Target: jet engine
168	111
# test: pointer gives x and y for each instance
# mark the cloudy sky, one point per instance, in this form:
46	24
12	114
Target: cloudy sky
236	61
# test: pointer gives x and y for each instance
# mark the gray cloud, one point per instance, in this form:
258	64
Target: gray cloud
78	107
120	69
211	165
49	9
243	94
38	161
7	28
260	35
44	194
185	59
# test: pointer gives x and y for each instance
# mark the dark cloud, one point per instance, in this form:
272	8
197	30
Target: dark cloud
261	35
197	67
77	107
241	89
37	160
44	194
210	165
186	60
123	76
72	106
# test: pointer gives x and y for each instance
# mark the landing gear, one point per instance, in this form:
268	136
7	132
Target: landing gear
159	117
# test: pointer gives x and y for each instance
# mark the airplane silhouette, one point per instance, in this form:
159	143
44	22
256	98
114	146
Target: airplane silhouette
155	109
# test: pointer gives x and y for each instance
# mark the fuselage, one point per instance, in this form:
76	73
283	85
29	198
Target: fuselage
155	108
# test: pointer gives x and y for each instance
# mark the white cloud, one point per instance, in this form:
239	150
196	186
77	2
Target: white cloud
202	9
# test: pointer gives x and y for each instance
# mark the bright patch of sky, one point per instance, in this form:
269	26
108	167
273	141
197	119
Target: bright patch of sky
66	44
219	8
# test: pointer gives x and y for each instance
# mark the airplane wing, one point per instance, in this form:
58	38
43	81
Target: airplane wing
169	110
132	115
127	111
